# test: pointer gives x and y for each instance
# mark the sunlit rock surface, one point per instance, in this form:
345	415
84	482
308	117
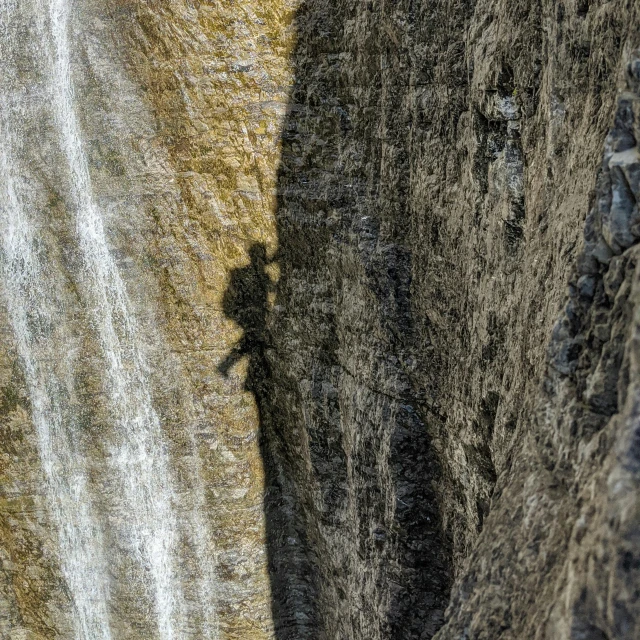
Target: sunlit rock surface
179	111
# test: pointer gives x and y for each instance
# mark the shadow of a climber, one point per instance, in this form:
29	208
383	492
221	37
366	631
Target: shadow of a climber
245	302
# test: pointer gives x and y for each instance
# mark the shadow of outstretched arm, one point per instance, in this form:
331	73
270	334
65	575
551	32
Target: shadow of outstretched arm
238	352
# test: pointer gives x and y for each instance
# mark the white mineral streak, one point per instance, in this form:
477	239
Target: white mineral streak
138	460
38	324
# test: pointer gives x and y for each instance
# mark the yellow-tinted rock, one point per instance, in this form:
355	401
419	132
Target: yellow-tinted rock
181	107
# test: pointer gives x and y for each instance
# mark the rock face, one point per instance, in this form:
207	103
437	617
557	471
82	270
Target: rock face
438	162
380	290
176	115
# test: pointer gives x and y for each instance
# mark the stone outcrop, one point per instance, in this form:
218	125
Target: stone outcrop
383	259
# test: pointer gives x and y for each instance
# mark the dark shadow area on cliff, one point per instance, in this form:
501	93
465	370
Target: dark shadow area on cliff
355	542
291	573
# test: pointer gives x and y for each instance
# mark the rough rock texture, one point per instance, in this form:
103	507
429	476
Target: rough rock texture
347	230
563	528
438	163
181	109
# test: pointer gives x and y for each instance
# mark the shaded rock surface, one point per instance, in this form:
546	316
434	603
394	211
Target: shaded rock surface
347	231
438	163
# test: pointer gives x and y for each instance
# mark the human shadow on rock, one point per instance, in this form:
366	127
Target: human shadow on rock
246	303
355	542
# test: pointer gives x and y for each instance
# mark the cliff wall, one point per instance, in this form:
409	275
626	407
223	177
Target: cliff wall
438	163
397	387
